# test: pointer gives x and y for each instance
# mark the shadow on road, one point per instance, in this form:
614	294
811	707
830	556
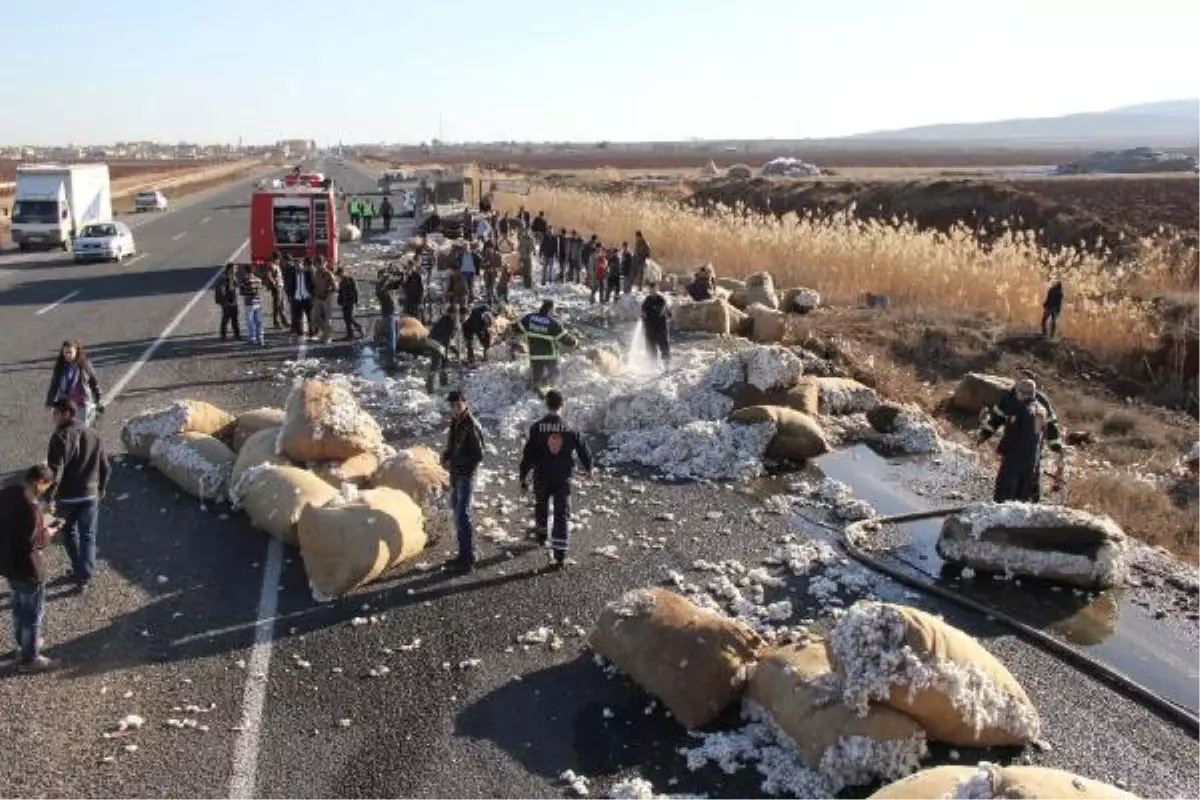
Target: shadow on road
113	286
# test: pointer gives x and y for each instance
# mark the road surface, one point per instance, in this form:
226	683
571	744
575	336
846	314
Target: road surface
193	610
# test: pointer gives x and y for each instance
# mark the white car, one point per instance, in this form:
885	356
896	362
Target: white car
104	241
149	201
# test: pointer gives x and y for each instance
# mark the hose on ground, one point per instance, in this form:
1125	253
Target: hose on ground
1122	683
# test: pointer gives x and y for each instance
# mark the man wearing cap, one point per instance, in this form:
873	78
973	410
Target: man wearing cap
462	456
549	453
1029	425
543	335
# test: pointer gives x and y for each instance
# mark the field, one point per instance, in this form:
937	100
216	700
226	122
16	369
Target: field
964	250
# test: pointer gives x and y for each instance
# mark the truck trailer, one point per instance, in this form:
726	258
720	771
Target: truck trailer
52	203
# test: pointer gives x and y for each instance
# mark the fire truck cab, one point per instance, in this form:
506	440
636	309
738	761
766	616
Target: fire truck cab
299	221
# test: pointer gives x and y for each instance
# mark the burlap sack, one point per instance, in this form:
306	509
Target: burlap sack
845	396
977	391
799	300
182	416
693	660
356	470
935	673
798	437
251	422
410	334
417	472
274	497
1044	541
258	449
798	688
767	324
325	423
706	316
760	288
196	462
738	297
347	545
990	780
802	396
605	360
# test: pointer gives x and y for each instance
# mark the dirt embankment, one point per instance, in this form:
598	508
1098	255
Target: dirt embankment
1109	212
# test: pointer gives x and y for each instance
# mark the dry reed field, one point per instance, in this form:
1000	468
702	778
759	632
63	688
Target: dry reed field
963	291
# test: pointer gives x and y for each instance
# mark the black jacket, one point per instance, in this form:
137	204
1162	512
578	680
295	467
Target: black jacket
347	292
414	286
1054	299
76	455
290	275
383	293
550	450
385	208
85	373
655	313
549	246
539	225
1022	441
20	560
443	330
464	445
226	292
478	321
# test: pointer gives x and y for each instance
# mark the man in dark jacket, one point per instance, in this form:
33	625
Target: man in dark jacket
414	292
656	314
298	286
461	458
543	335
385	284
226	295
1051	308
80	467
539	227
386	211
549	454
478	326
548	252
1029	425
347	298
24	535
439	343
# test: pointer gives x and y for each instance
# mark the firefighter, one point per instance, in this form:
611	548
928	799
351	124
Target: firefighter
438	345
1029	425
478	326
367	210
543	335
549	454
356	212
656	315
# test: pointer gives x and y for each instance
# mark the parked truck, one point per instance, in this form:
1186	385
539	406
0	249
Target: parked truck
52	203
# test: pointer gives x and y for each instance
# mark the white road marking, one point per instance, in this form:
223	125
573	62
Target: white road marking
205	220
57	303
244	777
178	236
135	259
136	367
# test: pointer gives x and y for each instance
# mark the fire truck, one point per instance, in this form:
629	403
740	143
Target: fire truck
298	221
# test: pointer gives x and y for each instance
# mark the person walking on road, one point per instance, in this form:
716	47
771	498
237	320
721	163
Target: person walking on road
273	280
356	212
1051	308
347	299
550	452
250	287
24	535
656	316
462	456
324	294
298	284
80	471
387	212
74	379
469	267
1029	425
226	295
368	214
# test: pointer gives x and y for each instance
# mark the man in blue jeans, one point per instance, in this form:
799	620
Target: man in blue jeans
80	468
24	535
464	451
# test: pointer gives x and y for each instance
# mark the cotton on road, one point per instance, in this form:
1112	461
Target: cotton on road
170	627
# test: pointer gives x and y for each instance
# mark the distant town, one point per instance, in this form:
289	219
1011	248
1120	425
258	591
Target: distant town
156	151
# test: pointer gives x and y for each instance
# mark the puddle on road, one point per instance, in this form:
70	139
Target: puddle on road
1160	654
368	367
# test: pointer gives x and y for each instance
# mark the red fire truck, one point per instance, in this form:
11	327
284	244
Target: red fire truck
299	221
313	179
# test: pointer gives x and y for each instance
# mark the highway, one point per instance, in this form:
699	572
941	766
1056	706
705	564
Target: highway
194	616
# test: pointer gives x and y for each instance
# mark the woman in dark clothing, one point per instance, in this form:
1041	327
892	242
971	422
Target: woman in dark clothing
74	379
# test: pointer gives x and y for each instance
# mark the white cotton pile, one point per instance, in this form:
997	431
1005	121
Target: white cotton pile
829	573
701	449
402	399
835	495
642	789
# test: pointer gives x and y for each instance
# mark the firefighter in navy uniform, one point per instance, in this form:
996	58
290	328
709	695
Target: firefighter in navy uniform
543	335
549	454
1029	425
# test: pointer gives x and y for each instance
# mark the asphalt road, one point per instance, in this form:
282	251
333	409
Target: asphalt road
173	618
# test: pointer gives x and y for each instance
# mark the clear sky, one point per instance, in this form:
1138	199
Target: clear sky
370	70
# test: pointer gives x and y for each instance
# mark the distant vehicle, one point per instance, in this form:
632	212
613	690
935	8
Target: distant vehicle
299	221
52	203
312	179
149	201
104	241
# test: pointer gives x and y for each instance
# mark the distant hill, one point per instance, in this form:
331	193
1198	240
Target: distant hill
1171	123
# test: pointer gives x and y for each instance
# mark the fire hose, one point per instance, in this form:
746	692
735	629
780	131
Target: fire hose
1119	681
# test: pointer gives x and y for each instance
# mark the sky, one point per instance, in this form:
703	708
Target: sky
370	71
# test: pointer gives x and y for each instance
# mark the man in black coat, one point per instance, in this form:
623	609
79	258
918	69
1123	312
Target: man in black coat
80	466
656	316
298	285
226	296
24	534
461	458
549	453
